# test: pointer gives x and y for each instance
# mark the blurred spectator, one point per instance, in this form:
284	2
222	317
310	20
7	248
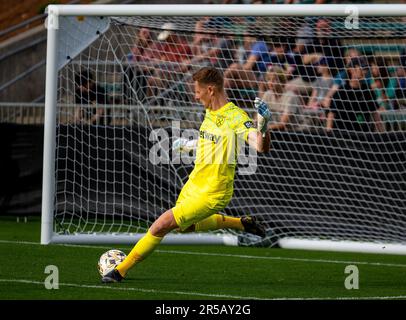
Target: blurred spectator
241	78
256	56
142	48
326	45
321	86
174	47
173	53
92	99
210	49
379	81
306	57
204	41
341	77
305	33
143	51
227	52
275	83
313	44
400	86
311	28
241	86
300	87
284	116
280	55
259	56
354	107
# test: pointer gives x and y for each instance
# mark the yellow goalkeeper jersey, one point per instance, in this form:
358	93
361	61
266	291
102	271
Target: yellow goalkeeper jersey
221	136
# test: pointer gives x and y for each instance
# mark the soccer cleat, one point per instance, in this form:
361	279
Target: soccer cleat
252	226
112	276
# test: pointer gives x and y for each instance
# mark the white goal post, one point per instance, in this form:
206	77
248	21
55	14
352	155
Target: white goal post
339	189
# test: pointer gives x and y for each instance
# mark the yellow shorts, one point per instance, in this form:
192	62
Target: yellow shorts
192	207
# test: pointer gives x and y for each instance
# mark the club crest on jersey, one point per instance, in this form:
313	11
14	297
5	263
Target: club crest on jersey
219	121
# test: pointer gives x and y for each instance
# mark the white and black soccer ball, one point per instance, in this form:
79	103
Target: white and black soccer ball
109	260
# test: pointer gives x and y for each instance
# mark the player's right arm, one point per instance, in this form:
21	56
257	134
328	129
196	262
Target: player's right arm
182	145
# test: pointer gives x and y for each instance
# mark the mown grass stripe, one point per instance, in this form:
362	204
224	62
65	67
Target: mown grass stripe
86	286
191	293
229	255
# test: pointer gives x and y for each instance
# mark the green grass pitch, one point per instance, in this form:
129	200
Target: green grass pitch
191	272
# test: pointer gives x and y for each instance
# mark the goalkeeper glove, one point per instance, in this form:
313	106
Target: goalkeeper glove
263	116
183	145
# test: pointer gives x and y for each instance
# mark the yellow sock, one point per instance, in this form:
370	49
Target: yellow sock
218	221
229	222
141	250
209	223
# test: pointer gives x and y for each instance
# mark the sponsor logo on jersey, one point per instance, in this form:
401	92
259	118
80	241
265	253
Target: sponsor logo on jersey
209	136
248	124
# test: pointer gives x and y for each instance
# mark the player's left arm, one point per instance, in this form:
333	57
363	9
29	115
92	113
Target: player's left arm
261	139
257	138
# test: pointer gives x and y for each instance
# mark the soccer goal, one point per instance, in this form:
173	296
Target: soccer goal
119	91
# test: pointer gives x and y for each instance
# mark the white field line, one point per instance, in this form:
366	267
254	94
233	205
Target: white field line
346	262
225	296
86	286
286	258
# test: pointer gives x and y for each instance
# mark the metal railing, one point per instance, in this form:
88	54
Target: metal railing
156	116
22	113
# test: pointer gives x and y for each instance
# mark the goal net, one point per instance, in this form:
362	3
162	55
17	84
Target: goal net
123	92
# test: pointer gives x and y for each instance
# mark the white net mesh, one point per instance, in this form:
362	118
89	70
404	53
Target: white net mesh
338	97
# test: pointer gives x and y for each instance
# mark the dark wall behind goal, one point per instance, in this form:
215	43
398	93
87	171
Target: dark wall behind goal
311	175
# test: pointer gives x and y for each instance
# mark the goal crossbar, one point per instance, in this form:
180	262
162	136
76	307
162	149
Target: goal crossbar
228	10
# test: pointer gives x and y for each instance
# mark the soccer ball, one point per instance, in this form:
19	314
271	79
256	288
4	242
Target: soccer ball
109	260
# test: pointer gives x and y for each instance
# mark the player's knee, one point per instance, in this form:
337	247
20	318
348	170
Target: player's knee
159	230
163	225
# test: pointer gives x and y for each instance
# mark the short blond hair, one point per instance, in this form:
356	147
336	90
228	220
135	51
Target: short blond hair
209	76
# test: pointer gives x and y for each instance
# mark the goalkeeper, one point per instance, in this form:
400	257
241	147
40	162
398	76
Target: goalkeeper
210	185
